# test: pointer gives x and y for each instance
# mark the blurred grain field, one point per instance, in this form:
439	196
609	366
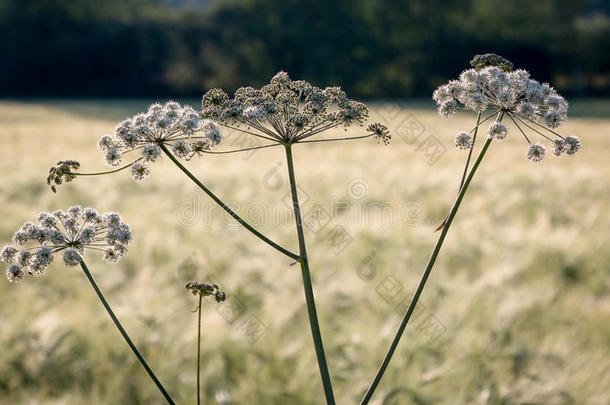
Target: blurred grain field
516	311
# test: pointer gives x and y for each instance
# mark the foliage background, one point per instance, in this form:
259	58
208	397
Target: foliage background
373	48
522	288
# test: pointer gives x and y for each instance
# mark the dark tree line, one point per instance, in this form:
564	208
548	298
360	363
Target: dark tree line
374	48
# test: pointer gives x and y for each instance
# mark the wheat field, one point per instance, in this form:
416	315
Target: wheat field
516	310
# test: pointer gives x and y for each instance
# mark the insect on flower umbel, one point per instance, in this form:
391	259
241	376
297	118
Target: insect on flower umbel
493	87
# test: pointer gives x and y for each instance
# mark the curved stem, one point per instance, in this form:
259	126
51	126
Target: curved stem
223	152
108	171
474	138
429	266
225	207
133	347
199	352
274	139
335	139
307	286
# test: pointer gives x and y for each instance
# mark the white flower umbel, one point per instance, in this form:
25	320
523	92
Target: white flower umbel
289	111
494	88
170	124
536	152
284	112
463	140
142	138
70	233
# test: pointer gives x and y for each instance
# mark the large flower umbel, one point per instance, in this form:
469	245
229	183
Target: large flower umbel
72	232
287	111
493	86
171	124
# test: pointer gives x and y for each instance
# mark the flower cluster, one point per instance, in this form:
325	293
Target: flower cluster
170	124
61	173
205	289
71	232
493	85
287	111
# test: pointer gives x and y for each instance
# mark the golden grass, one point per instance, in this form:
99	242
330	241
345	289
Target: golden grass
520	297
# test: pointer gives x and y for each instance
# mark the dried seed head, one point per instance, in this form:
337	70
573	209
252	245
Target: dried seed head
206	290
380	132
62	172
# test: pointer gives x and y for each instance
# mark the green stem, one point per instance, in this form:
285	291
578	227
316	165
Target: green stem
108	171
307	286
429	266
225	207
336	139
124	334
474	138
199	352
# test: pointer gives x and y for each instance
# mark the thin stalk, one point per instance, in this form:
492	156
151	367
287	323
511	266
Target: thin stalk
223	152
335	139
133	347
307	286
199	352
467	165
108	171
540	125
474	138
250	133
225	207
519	128
429	266
538	132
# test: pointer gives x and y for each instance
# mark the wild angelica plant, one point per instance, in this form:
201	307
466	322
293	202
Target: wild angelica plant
283	113
202	290
493	88
286	112
71	233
